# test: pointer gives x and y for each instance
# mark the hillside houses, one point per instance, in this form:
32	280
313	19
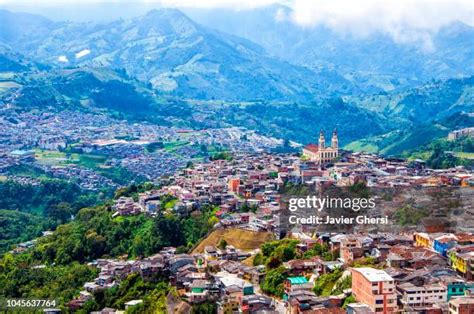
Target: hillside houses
411	277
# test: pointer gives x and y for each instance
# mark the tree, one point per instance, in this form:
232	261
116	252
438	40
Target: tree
258	259
170	230
139	246
60	212
350	299
342	284
273	283
212	221
222	244
204	308
325	283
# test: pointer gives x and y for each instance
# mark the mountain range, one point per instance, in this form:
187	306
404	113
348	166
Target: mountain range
247	68
176	55
369	59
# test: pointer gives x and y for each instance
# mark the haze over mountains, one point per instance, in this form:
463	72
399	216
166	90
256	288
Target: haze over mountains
375	57
174	54
366	86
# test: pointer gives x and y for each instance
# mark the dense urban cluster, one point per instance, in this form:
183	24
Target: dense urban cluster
159	157
386	272
83	146
302	270
408	273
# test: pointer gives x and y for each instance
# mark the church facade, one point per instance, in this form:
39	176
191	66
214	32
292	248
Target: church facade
320	153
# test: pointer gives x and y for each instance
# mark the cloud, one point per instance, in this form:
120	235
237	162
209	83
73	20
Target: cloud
403	20
406	21
205	4
209	4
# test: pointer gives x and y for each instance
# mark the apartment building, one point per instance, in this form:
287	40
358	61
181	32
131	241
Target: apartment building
375	288
413	296
461	305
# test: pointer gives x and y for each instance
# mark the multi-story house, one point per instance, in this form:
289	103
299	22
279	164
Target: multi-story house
351	249
461	305
418	296
375	288
292	284
423	239
443	243
463	263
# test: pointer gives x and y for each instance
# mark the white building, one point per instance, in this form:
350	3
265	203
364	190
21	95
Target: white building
320	153
414	296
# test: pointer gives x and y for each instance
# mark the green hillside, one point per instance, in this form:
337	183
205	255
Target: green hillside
442	153
432	101
174	54
402	141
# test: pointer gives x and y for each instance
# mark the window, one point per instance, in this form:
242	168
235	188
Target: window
378	301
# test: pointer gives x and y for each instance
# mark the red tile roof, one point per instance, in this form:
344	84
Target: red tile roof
312	148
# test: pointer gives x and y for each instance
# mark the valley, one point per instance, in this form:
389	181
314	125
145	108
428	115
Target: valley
146	160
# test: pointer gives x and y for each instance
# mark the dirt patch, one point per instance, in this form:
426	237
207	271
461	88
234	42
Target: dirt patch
242	239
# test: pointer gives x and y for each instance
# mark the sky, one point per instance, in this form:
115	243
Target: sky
403	20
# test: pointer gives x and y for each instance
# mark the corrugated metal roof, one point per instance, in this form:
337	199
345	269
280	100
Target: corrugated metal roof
297	280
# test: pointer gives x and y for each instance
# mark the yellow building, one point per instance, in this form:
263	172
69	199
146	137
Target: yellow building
320	153
230	303
463	263
460	264
422	239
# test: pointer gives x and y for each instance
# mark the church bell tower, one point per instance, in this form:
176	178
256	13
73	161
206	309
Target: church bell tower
322	141
334	140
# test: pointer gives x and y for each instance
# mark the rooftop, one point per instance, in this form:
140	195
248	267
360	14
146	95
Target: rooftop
297	280
312	148
462	300
373	275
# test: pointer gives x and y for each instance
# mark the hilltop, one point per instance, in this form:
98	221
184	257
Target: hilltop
239	238
175	54
414	138
165	68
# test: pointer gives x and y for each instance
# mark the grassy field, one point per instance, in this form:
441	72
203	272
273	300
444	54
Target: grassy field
47	157
5	86
90	161
362	146
172	146
241	239
59	158
465	155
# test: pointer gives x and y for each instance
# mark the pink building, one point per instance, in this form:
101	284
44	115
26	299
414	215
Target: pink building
375	288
